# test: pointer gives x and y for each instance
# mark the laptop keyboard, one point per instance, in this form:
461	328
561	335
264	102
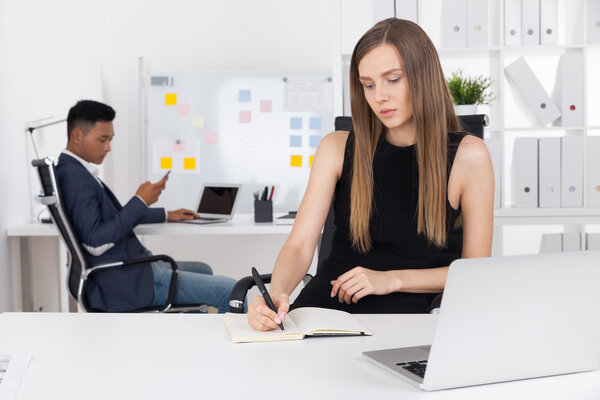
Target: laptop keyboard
416	367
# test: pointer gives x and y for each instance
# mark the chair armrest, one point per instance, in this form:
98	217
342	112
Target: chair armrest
435	304
133	261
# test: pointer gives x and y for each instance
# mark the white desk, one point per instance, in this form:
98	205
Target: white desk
150	356
40	284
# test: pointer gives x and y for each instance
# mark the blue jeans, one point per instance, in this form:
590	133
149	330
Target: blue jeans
195	285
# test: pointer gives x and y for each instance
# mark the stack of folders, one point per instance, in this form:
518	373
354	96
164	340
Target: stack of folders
548	172
568	241
530	22
565	107
464	23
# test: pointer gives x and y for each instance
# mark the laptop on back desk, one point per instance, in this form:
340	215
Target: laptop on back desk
216	203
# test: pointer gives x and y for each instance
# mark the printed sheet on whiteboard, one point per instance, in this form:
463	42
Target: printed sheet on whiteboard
308	94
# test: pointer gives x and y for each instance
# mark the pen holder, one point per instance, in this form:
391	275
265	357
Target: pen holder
263	211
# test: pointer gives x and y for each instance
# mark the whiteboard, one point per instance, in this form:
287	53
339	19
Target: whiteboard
254	128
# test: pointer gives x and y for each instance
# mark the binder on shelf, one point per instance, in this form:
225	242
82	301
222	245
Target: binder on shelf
477	23
521	75
454	23
548	21
525	163
512	22
549	171
530	19
568	90
571	180
494	146
593	21
408	9
571	241
593	171
551	243
592	241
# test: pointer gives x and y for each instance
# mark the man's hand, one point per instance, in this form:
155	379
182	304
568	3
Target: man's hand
181	214
150	192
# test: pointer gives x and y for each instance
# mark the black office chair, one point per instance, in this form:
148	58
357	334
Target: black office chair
474	124
78	270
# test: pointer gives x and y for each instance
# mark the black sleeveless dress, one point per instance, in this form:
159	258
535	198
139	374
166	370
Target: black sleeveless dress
396	243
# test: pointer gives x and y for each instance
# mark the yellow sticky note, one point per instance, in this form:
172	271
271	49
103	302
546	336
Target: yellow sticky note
198	122
166	162
171	99
189	163
310	160
296	161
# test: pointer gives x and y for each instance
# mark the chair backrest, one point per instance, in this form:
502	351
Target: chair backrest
50	196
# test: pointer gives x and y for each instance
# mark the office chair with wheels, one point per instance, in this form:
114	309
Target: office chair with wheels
78	270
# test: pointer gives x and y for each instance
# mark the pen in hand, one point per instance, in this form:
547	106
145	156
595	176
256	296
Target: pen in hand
263	290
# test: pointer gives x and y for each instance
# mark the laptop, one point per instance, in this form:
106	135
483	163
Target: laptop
216	203
508	318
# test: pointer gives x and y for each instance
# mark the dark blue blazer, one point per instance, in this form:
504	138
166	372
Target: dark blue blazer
105	230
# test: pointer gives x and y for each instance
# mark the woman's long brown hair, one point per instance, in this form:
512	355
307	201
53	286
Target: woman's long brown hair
434	116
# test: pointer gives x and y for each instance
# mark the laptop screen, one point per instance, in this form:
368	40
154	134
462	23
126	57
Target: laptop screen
217	200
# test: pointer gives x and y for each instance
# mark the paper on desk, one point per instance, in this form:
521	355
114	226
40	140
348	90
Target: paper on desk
12	370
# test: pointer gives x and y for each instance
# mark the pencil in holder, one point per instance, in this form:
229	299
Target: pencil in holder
263	211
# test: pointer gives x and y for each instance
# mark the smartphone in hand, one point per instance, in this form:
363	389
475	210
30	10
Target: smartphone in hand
165	175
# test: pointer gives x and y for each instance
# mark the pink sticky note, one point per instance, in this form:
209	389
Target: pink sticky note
178	145
185	110
212	137
245	117
266	106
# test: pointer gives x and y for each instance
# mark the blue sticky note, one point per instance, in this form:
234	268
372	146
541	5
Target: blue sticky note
314	123
245	96
314	141
296	123
295	141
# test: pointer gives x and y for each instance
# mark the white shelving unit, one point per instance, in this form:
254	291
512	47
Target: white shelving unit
509	116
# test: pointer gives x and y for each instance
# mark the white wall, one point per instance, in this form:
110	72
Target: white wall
55	53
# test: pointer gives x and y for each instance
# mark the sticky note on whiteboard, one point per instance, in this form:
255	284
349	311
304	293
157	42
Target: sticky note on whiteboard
245	117
244	96
178	145
185	110
166	162
296	161
314	123
171	99
198	122
212	137
295	141
189	163
295	123
266	106
314	141
310	160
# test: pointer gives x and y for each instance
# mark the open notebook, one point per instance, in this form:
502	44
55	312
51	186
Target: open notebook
301	322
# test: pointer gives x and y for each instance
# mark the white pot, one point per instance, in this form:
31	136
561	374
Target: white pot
465	109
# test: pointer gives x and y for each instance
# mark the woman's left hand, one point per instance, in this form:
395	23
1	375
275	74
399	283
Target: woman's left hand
360	282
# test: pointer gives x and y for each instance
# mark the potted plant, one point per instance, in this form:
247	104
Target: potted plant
468	92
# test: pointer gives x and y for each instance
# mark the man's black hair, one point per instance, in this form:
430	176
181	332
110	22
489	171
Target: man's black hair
86	113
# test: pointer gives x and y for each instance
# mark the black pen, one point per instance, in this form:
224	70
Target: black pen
263	290
263	197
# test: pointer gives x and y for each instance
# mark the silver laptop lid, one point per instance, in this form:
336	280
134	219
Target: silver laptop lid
218	200
517	317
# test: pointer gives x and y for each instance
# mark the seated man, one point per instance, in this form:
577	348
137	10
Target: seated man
105	227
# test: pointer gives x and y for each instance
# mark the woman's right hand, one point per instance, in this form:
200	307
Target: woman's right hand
262	318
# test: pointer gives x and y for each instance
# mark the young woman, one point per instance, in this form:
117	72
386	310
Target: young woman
401	179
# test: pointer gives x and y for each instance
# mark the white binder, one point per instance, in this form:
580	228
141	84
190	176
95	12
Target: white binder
593	21
382	9
593	171
521	75
477	23
530	28
512	22
549	171
593	241
408	9
525	163
571	241
548	21
454	23
571	180
494	146
551	243
568	89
